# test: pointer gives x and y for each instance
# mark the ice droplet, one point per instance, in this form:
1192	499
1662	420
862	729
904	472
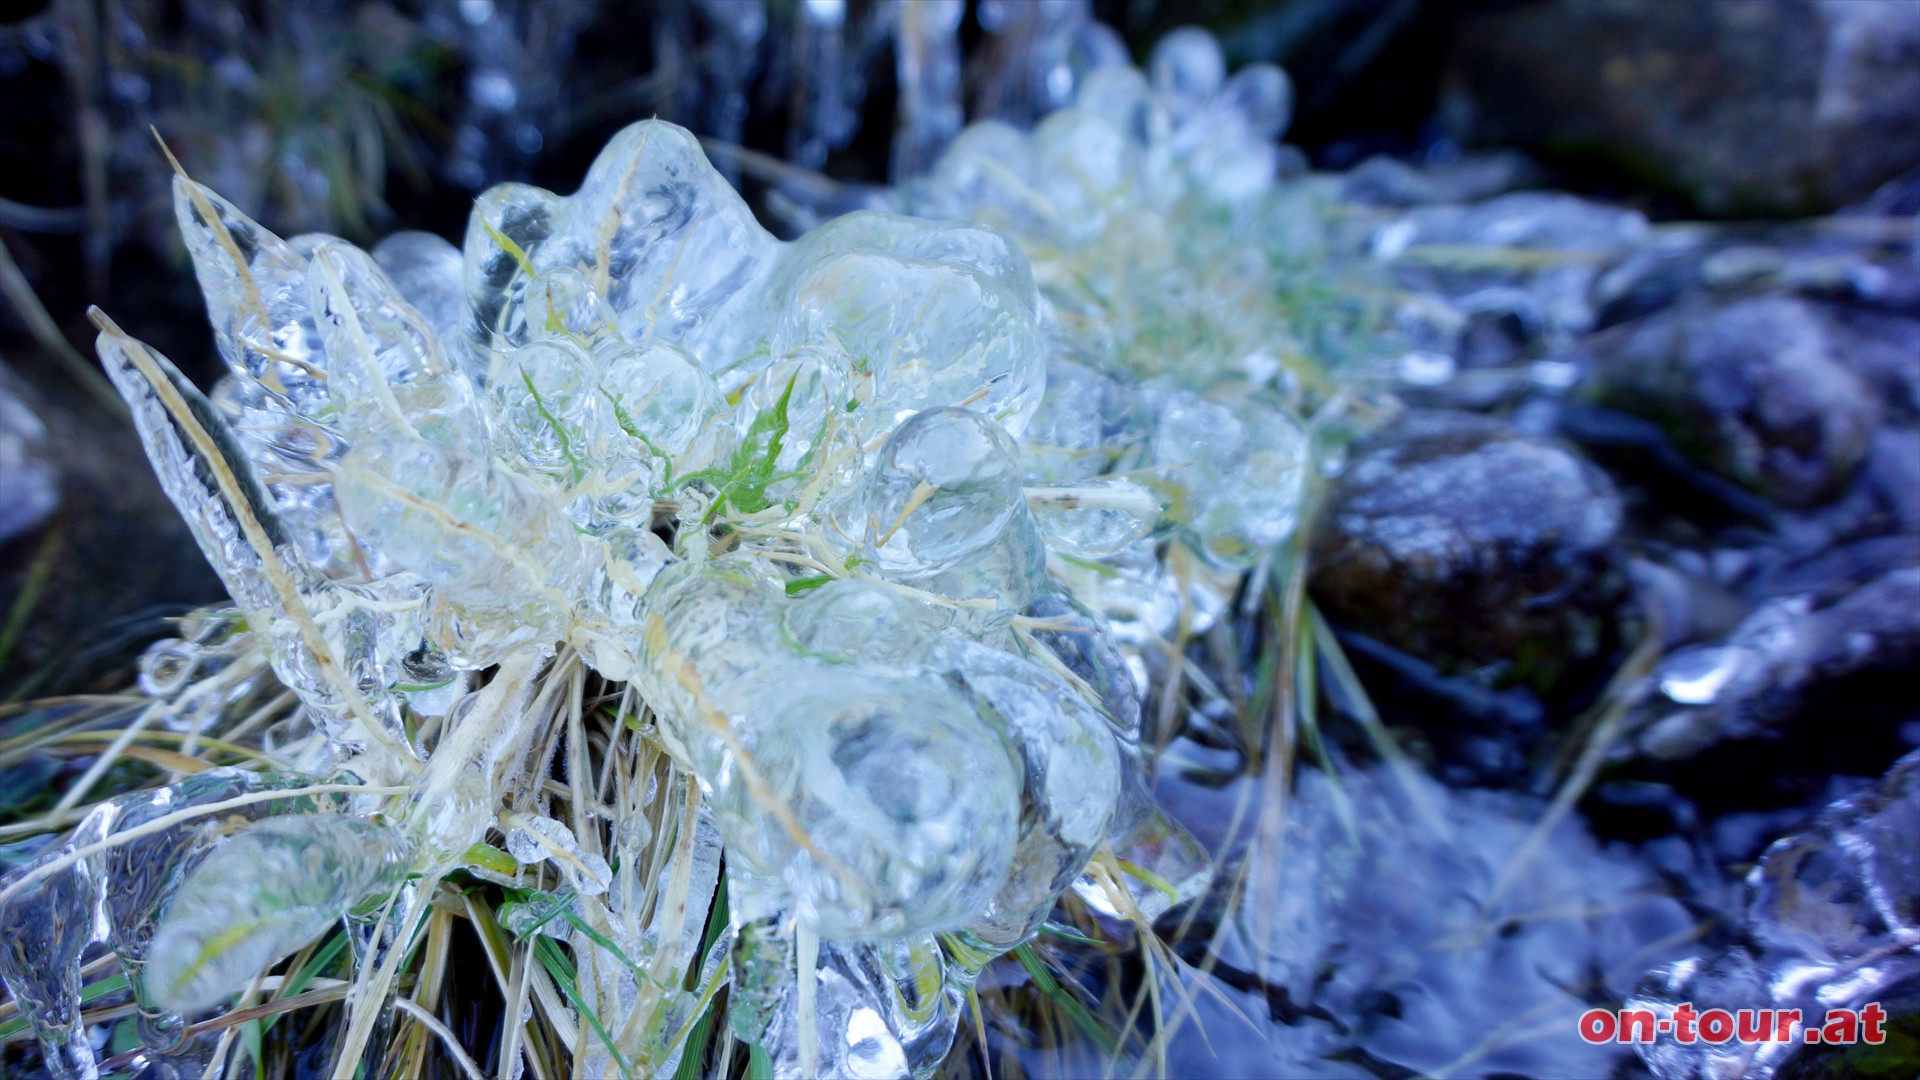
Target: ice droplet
532	840
1070	781
944	485
902	802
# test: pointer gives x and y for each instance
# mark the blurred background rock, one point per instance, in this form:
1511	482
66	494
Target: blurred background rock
1734	108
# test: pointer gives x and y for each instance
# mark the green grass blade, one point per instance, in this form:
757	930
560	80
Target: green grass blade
322	959
560	969
693	1058
1059	995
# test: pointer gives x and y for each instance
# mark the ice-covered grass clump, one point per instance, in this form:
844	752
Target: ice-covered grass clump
792	513
629	543
1191	310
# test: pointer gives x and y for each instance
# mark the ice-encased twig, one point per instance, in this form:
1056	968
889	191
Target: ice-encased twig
255	285
389	372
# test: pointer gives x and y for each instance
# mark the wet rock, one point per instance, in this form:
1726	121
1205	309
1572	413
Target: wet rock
1496	336
1753	390
94	577
1386	181
1745	108
1537	254
1537	221
1894	469
1652	276
1830	574
29	488
1670	486
1807	686
1860	268
1898	197
1884	350
1481	551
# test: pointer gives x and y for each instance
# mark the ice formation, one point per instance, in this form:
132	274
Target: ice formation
116	880
1832	917
1164	250
880	525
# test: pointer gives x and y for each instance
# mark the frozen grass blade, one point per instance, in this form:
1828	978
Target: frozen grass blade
167	406
1608	715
